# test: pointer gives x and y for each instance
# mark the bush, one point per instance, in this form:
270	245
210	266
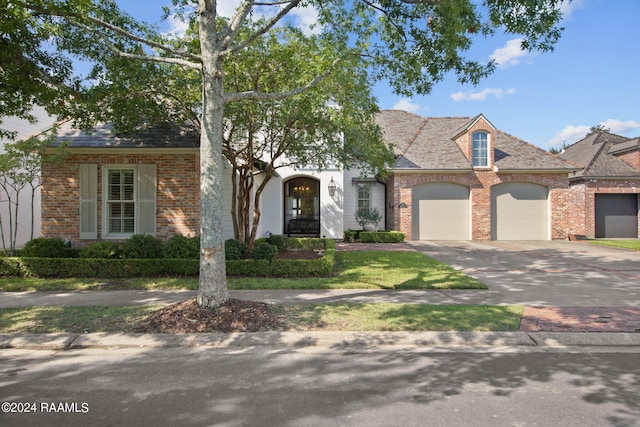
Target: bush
264	250
45	248
279	241
101	250
234	249
351	236
381	237
142	246
181	247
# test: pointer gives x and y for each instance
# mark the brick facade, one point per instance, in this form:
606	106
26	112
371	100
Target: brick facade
399	192
177	194
582	198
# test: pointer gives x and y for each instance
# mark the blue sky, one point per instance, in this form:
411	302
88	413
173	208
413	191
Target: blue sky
591	78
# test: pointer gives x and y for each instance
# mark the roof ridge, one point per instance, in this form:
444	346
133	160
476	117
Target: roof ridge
604	144
415	137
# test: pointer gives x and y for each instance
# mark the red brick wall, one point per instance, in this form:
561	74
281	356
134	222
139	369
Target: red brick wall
633	158
465	141
583	216
480	182
177	197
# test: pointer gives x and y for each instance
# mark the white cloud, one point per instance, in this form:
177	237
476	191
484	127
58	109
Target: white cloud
618	126
306	18
570	133
406	105
177	27
569	6
227	8
482	95
511	54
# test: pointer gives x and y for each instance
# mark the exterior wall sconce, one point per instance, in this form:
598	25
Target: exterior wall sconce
332	187
402	205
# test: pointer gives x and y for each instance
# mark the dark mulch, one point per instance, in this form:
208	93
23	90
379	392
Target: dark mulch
234	316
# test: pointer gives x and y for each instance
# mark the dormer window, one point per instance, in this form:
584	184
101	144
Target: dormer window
480	153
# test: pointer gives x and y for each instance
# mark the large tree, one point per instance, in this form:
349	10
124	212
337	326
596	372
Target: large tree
413	43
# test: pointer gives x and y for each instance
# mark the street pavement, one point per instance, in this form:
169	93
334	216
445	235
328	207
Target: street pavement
566	286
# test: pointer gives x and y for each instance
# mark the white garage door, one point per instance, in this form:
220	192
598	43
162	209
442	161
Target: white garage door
519	211
440	212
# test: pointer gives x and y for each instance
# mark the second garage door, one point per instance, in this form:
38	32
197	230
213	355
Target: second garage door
519	211
440	212
616	215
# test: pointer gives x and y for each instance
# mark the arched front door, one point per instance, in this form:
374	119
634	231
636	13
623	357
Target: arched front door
302	206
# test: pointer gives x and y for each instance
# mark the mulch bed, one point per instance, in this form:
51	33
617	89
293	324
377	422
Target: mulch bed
234	316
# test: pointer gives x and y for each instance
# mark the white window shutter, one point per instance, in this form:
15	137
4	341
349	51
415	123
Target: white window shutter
88	201
146	215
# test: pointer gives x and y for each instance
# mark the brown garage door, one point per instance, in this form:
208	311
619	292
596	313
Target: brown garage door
617	215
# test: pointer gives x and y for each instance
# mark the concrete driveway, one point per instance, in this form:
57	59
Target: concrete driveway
545	273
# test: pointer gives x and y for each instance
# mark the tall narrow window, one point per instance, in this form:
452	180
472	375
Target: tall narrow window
364	196
480	149
121	206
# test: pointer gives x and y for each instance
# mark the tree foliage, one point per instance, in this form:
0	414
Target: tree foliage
412	43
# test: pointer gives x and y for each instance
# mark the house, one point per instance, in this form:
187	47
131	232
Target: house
112	186
605	194
453	178
461	178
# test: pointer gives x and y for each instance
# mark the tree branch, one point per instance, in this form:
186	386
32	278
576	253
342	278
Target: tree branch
263	96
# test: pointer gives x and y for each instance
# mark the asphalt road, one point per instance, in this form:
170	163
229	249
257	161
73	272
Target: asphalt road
322	387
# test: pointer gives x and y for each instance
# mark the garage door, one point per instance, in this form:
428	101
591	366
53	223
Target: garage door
440	212
519	211
617	215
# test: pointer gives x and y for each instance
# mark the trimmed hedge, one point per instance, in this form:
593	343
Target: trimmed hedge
124	268
381	237
97	268
321	267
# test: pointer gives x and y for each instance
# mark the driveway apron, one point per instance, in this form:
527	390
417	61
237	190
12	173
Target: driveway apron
545	273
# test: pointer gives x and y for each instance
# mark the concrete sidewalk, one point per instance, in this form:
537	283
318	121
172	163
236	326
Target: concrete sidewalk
326	340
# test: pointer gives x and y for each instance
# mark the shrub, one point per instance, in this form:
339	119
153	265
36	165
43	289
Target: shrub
181	247
381	237
350	236
45	248
142	246
264	250
234	249
279	241
101	250
366	216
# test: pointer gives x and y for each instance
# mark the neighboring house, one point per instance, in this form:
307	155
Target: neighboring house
460	178
24	129
453	179
606	193
113	186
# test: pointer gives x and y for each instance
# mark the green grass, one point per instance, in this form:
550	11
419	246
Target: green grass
354	270
404	317
74	319
625	244
326	317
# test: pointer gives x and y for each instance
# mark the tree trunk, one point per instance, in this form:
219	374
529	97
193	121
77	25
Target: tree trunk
212	289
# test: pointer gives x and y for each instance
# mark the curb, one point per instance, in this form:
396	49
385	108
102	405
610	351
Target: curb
331	340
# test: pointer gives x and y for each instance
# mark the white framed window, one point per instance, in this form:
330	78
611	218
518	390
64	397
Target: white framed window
128	201
480	144
364	196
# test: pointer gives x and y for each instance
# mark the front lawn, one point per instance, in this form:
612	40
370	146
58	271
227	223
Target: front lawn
354	270
316	317
625	244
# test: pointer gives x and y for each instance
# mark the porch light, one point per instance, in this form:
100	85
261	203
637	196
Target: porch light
332	187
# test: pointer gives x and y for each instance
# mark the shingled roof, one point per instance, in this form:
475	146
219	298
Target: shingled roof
597	153
104	136
427	143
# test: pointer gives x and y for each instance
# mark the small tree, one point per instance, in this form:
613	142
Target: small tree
20	170
366	216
